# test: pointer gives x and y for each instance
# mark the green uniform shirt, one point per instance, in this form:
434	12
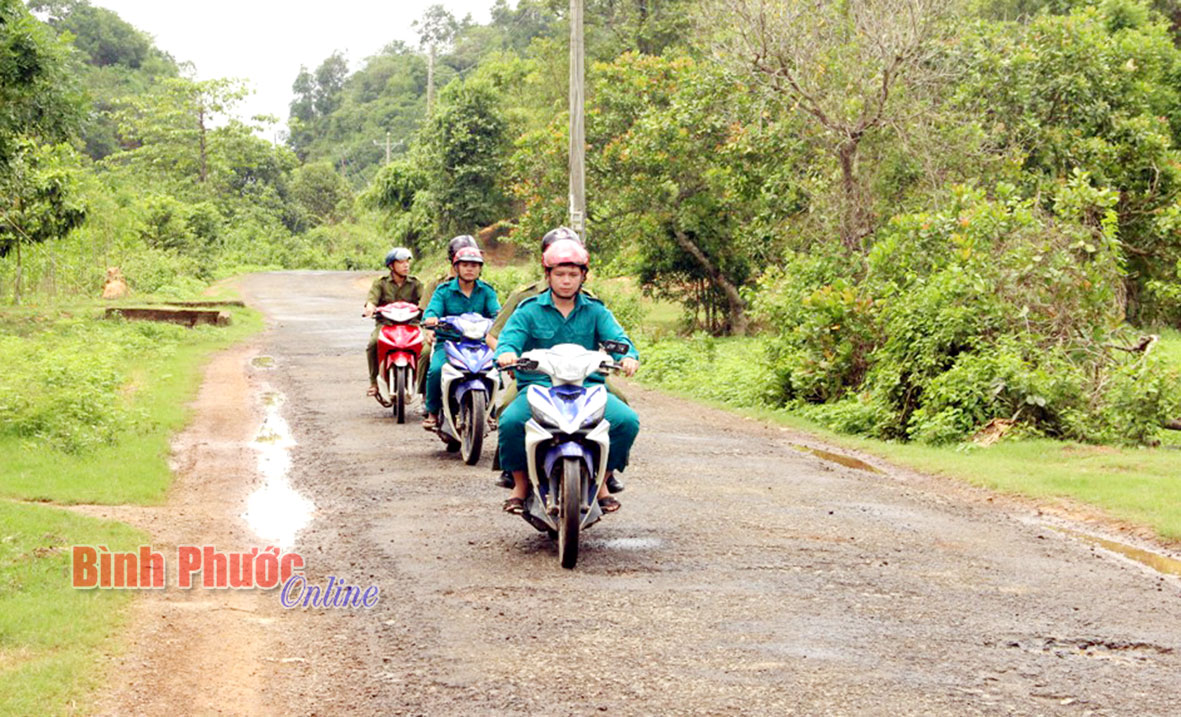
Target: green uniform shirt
385	291
527	291
537	324
449	300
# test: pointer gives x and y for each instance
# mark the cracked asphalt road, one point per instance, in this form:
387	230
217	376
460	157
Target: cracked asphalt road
741	576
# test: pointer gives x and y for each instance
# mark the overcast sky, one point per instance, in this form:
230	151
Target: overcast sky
266	41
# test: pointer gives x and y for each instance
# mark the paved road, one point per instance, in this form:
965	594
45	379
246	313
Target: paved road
741	576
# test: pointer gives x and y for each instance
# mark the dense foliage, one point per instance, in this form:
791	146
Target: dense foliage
932	220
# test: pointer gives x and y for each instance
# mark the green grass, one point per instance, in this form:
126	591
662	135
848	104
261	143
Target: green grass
133	467
51	635
1138	485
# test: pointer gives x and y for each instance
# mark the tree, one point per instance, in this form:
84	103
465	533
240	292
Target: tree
464	147
321	192
37	97
38	199
170	130
693	177
843	65
1091	91
436	29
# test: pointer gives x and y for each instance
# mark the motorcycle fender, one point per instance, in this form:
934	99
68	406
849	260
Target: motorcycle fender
570	449
474	384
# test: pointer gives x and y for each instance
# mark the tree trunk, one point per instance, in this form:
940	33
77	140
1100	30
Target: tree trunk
851	213
430	81
738	320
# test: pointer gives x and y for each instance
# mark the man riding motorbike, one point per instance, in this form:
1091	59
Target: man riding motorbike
562	314
456	243
398	286
509	393
463	294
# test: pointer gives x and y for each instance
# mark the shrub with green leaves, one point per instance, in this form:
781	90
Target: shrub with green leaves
988	308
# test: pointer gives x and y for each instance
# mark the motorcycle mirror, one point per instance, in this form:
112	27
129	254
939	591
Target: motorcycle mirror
615	347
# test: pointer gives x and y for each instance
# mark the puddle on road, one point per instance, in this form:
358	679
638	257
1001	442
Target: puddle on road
276	512
265	362
846	461
1156	561
627	543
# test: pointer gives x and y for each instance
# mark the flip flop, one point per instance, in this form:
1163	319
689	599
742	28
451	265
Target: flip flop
430	423
609	504
514	506
372	391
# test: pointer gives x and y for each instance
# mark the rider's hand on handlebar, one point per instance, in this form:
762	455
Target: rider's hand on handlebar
369	309
506	359
629	366
430	322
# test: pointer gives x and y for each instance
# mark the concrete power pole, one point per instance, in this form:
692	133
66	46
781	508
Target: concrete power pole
577	123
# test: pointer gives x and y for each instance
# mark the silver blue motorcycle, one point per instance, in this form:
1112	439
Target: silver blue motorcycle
470	384
567	441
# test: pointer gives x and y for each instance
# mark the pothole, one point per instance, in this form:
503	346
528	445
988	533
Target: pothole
627	543
263	362
847	461
1160	563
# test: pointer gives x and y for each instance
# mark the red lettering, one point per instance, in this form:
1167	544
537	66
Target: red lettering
126	574
84	560
151	568
188	561
217	570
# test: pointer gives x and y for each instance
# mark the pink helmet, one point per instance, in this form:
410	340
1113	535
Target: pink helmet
468	253
565	251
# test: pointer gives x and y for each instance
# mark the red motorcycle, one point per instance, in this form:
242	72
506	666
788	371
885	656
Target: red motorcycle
398	347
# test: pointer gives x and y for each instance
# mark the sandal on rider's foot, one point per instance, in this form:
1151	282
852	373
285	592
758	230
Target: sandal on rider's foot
515	506
430	423
609	504
372	391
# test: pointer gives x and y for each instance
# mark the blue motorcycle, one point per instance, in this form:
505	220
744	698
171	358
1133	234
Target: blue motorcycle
567	441
470	384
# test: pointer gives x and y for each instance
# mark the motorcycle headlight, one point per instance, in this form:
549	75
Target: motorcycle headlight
547	415
594	417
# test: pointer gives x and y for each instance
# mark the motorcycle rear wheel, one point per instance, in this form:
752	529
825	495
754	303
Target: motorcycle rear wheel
570	511
472	414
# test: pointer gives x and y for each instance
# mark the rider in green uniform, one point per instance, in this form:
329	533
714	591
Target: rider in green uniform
463	294
510	385
398	286
562	314
453	246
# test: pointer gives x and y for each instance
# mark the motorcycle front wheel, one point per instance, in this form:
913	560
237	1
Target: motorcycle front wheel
570	511
471	417
397	383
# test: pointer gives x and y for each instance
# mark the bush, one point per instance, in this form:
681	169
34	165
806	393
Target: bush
989	308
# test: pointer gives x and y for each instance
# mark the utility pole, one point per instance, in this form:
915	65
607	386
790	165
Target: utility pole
387	147
577	123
